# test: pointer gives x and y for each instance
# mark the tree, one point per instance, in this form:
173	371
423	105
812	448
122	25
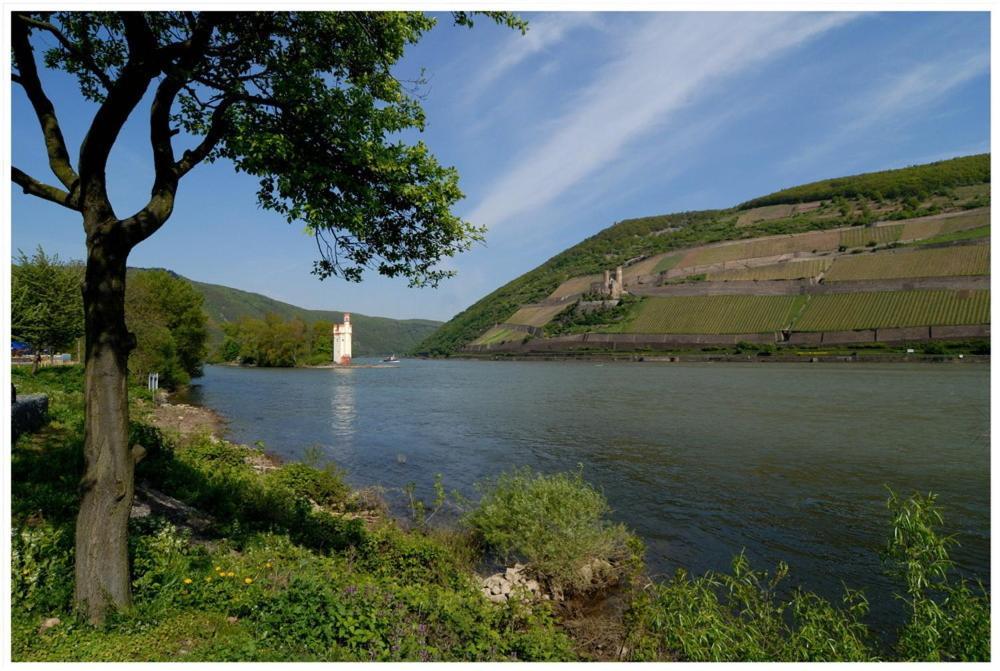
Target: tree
45	309
167	315
304	101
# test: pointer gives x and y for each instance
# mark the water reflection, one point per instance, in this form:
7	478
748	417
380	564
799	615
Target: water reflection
344	412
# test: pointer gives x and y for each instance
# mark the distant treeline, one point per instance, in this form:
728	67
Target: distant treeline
918	181
276	342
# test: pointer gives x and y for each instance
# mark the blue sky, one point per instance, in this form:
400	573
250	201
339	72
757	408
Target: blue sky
586	120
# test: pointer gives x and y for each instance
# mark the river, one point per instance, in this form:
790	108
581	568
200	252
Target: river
789	461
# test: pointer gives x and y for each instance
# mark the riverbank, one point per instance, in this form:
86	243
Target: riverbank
278	568
707	357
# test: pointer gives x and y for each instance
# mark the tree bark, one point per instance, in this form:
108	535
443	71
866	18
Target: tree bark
102	564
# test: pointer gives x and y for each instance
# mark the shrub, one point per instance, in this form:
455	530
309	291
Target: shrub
736	617
947	621
41	568
326	487
556	523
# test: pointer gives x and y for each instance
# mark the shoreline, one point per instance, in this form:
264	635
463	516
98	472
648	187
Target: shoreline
690	357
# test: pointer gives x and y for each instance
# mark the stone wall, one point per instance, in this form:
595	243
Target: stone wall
794	287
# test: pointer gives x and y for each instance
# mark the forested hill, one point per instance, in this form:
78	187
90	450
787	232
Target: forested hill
372	335
837	202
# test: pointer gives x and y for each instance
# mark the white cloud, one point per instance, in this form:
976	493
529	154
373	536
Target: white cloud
669	61
898	100
544	32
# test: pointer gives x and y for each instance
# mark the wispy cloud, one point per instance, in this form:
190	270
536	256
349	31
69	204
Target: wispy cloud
904	97
544	32
669	61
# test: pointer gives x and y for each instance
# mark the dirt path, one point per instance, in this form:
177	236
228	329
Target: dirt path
187	420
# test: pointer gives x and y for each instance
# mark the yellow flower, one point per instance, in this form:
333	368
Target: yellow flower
188	581
221	574
218	568
248	580
230	574
267	565
208	578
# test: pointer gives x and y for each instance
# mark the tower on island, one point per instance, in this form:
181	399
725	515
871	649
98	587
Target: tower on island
342	341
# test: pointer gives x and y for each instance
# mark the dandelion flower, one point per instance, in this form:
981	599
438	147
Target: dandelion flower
218	568
230	574
188	581
208	578
267	565
248	580
221	574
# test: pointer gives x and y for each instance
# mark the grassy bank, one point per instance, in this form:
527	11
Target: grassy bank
237	559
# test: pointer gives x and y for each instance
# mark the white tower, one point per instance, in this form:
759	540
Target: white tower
342	341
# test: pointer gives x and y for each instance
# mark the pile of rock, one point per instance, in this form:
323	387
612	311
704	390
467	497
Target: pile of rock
516	582
513	583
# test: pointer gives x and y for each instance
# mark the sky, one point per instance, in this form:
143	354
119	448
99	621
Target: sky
588	119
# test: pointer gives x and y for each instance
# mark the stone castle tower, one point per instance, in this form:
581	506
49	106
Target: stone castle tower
613	286
342	341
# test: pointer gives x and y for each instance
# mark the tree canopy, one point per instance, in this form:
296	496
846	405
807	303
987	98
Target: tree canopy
45	307
307	102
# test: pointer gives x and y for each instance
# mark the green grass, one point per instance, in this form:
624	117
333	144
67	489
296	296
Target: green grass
947	262
968	234
498	335
715	314
667	263
844	312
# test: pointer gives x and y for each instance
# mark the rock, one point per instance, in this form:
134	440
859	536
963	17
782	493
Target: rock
497	598
232	619
505	587
139	510
48	623
587	573
511	573
533	586
495	588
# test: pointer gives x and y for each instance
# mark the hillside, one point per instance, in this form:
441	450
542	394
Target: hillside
372	335
814	223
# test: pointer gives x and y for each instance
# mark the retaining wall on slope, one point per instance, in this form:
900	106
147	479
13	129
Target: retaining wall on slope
630	341
796	287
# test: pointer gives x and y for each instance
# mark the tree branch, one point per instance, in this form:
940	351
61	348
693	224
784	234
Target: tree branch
33	187
68	45
27	77
123	96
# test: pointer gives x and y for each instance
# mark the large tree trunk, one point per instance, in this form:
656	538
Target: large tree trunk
102	563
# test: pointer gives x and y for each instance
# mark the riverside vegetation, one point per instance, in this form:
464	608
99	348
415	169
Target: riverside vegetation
287	563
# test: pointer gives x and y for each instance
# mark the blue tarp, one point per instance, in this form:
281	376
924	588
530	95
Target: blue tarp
17	346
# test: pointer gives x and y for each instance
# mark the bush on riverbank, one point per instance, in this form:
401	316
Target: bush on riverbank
559	525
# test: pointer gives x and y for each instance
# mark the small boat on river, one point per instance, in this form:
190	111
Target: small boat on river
392	358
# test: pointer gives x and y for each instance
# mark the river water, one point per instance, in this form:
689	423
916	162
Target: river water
789	461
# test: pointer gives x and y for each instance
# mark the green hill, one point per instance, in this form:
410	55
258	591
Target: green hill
372	335
943	186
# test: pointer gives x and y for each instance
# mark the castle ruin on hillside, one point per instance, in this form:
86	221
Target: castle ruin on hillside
342	341
612	287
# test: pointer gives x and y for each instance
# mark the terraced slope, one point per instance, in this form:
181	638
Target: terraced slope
715	314
652	245
845	312
792	270
946	262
